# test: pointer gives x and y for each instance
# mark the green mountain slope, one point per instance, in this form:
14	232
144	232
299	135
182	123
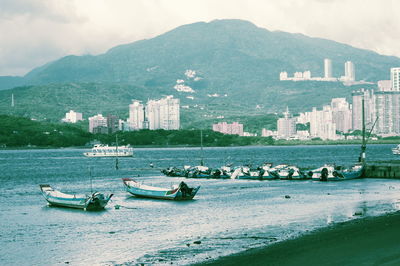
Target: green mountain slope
235	62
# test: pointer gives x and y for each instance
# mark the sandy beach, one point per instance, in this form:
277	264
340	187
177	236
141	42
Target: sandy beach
364	241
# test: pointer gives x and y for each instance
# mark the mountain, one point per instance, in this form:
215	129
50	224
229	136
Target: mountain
229	66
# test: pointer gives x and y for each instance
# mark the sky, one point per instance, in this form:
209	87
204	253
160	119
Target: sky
35	32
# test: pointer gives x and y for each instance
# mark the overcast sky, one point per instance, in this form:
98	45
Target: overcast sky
34	32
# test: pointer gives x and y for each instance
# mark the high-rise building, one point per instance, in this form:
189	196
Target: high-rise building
72	117
112	124
369	108
158	114
136	115
322	125
286	125
395	78
341	114
388	112
349	71
98	124
169	113
327	68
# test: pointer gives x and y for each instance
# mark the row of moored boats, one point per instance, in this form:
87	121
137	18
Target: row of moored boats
267	172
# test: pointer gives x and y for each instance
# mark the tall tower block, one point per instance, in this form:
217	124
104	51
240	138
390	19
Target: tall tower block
327	68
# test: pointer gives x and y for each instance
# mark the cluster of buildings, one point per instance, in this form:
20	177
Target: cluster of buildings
155	114
381	107
349	74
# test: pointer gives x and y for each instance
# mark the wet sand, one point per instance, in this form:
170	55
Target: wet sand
365	241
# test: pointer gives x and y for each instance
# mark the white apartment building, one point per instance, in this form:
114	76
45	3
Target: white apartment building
341	114
283	76
369	108
136	115
158	114
322	125
169	114
72	117
97	121
349	72
286	126
233	129
395	78
327	68
387	105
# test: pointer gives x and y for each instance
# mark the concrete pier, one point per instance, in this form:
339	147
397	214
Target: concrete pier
390	169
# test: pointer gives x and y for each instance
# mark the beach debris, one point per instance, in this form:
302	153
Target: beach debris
188	245
358	213
111	232
197	242
117	207
287	197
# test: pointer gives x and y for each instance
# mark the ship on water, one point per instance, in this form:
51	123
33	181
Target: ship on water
100	150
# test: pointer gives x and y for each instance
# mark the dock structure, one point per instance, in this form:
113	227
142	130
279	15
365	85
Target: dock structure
383	169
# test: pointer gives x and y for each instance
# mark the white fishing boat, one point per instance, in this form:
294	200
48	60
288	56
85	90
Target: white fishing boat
94	201
396	150
180	192
100	150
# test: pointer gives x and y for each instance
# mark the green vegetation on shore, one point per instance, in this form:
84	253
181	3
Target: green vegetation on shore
23	132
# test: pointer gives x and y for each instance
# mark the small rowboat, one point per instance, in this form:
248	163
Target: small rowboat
96	201
181	192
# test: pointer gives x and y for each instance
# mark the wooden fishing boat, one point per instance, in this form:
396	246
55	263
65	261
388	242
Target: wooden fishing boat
180	192
95	201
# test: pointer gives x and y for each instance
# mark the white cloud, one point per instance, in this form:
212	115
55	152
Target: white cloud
35	32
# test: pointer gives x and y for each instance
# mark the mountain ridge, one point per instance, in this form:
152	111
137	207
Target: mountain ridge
222	57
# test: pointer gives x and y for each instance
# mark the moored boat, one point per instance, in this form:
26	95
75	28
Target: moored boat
290	172
396	150
332	173
95	201
100	150
180	192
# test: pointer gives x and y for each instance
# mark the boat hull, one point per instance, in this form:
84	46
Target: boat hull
93	154
96	201
142	191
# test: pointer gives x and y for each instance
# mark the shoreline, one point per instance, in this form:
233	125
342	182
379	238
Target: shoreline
362	241
194	146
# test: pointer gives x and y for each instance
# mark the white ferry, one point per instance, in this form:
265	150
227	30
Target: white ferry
100	150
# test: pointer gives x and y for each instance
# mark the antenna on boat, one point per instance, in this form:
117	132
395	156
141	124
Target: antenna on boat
116	151
201	147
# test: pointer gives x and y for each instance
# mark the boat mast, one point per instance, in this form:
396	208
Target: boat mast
363	145
116	151
91	182
201	147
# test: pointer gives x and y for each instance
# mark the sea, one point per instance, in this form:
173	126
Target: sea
226	216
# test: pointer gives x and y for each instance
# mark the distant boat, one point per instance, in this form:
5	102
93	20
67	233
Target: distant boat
396	150
180	192
100	150
95	201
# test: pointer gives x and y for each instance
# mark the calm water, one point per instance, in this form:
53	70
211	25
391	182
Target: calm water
227	216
